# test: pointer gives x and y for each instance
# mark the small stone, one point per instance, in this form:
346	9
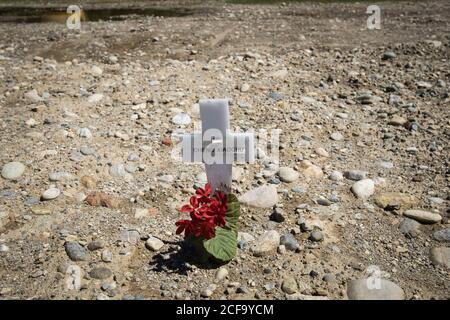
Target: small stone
374	289
96	71
388	55
100	273
245	87
329	278
76	252
322	152
95	98
118	170
266	243
277	215
87	151
289	285
181	119
440	256
336	136
265	196
395	200
154	244
106	255
33	96
410	228
336	176
85	133
316	236
95	245
221	274
442	235
289	241
12	170
208	291
355	175
50	194
423	216
166	178
363	188
4	247
133	157
287	174
88	182
59	175
41	210
397	121
101	199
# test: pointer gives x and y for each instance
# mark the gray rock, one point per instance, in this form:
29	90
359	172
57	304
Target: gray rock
388	55
355	175
95	245
100	273
289	241
442	235
336	176
87	151
423	216
287	174
154	244
76	252
133	157
118	170
363	188
440	256
409	227
374	289
12	170
336	136
265	196
266	243
316	236
50	194
107	255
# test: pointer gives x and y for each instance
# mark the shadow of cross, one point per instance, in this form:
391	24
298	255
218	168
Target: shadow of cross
216	146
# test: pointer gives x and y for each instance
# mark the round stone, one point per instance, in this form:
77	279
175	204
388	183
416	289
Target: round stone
154	244
13	170
100	273
336	176
181	119
316	236
442	235
287	174
50	194
289	285
266	243
76	252
423	216
221	274
440	256
363	188
374	289
336	136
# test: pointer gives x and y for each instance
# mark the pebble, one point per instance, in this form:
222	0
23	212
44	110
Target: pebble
95	245
245	87
95	98
388	55
181	119
221	274
33	96
355	175
85	133
50	194
107	255
13	170
4	247
289	285
59	175
154	244
41	210
268	242
395	200
367	289
316	236
442	235
87	151
440	256
265	196
76	252
100	273
409	227
287	174
336	136
363	188
208	291
336	176
423	216
289	241
118	170
322	152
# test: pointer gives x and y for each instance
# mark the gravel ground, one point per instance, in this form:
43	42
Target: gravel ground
87	131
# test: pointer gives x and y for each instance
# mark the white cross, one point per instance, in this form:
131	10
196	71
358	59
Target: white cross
216	146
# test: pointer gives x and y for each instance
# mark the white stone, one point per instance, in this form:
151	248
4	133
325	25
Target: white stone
181	119
95	98
262	197
266	243
363	188
13	170
287	174
154	244
50	194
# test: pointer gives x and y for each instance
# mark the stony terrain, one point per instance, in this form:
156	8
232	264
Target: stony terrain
89	189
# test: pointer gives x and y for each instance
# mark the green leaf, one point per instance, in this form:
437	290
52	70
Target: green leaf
223	245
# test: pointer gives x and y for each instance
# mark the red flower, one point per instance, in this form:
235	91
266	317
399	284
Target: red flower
206	211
